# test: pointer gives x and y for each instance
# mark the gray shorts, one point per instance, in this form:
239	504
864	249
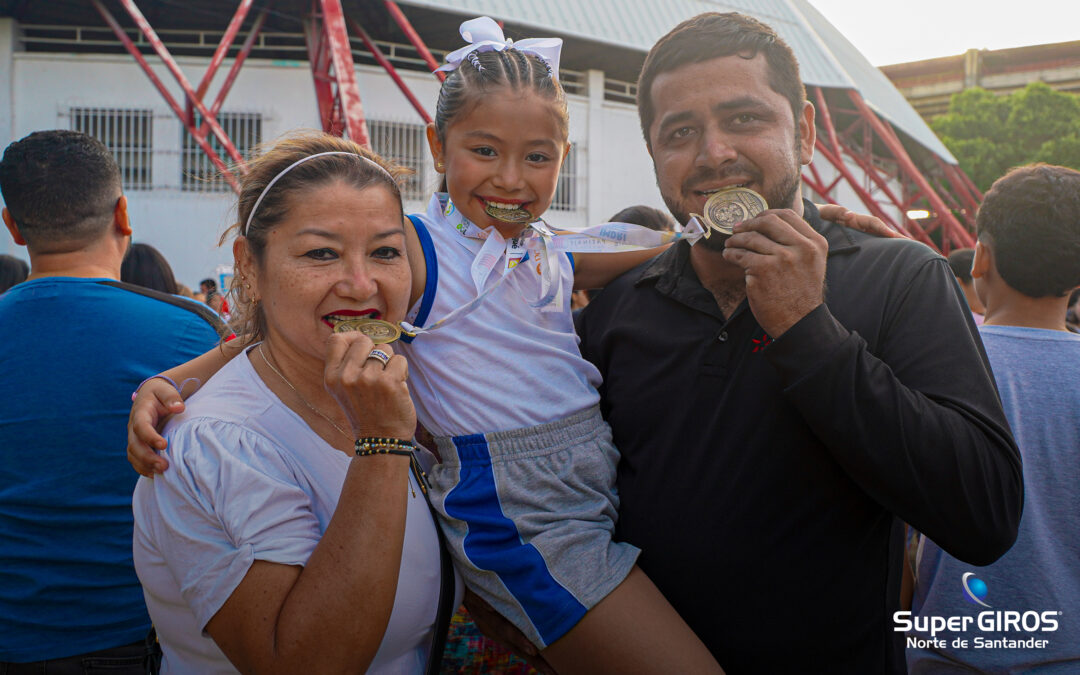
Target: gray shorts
529	515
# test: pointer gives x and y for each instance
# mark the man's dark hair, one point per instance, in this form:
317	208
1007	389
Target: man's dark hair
1030	219
960	262
60	187
714	35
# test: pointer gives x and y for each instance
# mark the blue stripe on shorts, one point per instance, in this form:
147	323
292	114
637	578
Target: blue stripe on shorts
493	544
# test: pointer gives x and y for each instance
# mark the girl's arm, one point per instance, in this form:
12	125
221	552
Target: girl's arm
596	270
156	400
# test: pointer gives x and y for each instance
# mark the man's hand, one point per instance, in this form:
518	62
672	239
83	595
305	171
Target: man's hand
784	261
496	627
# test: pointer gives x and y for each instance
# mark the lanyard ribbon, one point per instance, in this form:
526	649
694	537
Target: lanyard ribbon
540	242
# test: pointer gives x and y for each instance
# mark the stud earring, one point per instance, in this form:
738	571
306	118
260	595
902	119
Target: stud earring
440	165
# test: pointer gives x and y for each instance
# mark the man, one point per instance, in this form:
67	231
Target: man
76	342
1027	260
782	401
960	263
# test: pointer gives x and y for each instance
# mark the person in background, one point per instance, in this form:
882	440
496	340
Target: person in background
646	216
12	271
1072	315
145	266
215	300
1027	260
960	262
77	342
639	214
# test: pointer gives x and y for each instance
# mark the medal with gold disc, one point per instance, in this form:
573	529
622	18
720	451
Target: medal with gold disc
381	332
729	206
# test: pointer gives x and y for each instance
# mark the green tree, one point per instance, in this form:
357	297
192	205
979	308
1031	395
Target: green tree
990	134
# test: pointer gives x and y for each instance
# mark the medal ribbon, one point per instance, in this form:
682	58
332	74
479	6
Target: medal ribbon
545	245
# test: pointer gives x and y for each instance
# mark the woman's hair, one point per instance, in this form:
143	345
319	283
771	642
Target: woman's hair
145	266
12	271
483	72
371	171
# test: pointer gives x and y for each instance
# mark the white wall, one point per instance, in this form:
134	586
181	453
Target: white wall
186	226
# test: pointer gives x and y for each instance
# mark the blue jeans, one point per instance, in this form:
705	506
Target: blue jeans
137	658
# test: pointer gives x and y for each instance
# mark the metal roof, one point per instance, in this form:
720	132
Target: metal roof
826	57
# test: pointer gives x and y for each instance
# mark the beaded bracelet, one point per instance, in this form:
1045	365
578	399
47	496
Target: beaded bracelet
383	446
366	447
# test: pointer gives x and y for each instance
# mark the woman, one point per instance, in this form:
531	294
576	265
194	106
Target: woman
288	549
145	266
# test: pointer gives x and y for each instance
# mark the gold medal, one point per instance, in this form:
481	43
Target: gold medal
730	206
381	332
517	215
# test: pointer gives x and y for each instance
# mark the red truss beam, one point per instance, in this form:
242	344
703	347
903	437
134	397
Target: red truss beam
413	36
238	62
816	186
181	79
181	113
334	72
960	186
390	70
219	53
864	158
835	155
951	227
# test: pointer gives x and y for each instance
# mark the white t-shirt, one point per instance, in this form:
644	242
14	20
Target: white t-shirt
506	365
249	480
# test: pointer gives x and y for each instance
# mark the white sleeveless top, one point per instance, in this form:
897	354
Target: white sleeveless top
505	365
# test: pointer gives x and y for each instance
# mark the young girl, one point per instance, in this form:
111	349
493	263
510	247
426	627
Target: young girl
526	487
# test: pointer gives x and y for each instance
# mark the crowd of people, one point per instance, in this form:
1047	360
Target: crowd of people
706	466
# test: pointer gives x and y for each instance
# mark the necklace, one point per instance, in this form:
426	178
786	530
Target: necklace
299	396
414	465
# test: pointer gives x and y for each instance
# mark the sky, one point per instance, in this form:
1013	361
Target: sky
896	31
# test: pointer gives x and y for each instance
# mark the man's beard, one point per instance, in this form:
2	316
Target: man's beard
782	197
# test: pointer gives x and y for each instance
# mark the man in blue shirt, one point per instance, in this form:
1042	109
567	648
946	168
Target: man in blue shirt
1027	260
76	343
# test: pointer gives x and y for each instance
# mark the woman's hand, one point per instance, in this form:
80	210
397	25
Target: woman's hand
496	627
154	403
375	397
858	221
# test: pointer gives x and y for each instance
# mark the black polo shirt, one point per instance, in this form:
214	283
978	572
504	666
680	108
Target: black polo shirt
765	480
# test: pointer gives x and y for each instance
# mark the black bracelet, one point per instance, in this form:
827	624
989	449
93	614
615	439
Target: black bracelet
383	446
366	447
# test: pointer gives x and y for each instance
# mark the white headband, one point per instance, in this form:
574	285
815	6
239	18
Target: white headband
486	36
297	163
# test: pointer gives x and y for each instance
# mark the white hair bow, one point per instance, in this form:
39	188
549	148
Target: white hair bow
484	35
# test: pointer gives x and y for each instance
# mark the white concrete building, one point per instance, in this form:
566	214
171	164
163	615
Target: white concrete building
61	67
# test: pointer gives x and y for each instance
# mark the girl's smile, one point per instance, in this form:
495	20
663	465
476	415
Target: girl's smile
502	158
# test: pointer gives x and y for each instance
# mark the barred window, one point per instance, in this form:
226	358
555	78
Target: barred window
198	173
128	133
569	190
405	144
